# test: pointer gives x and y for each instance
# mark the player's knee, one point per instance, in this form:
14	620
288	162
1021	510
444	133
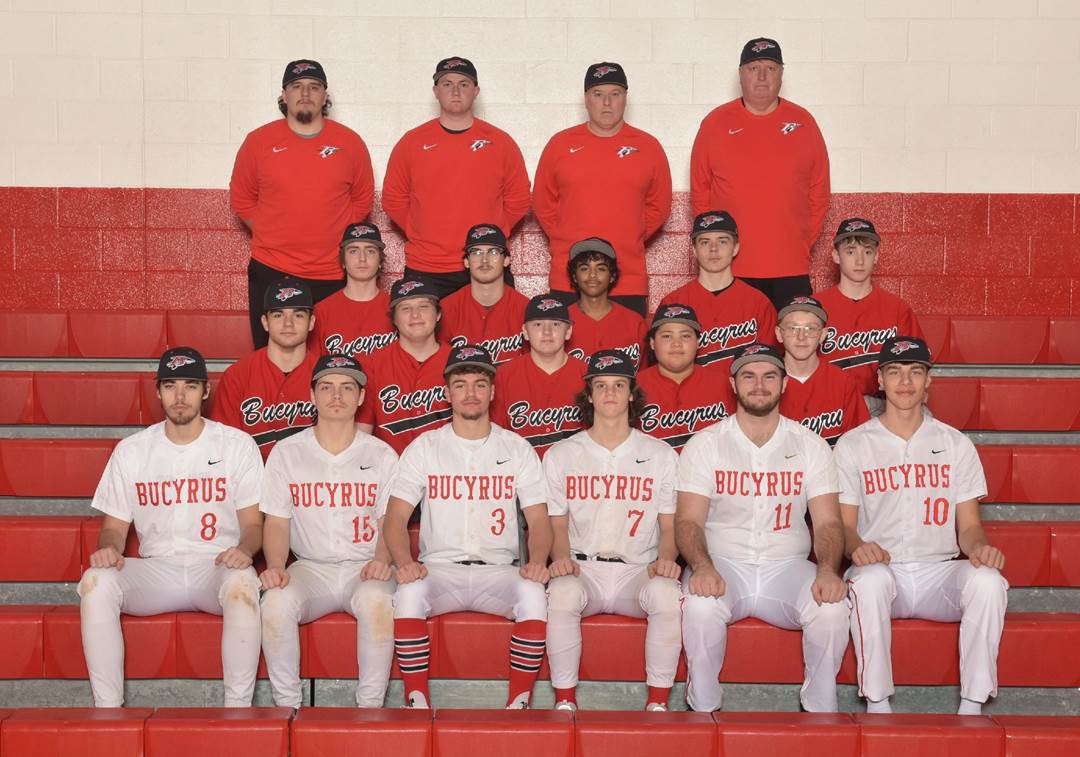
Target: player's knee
702	612
873	581
240	591
99	586
280	604
532	602
372	605
410	600
660	595
566	594
986	585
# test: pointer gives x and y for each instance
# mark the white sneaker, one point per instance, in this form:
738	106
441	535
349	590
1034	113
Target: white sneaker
655	707
417	701
566	705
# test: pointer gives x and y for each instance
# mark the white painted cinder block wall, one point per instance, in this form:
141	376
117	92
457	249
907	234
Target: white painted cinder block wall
912	95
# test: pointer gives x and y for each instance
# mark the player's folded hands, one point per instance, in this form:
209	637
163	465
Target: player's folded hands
535	572
869	553
991	557
828	588
409	572
107	557
274	578
233	557
665	569
706	582
376	570
564	566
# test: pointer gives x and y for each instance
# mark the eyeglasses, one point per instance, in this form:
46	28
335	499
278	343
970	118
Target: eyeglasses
491	252
801	330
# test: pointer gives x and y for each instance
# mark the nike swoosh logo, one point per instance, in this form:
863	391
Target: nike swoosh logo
279	149
365	467
639	462
734	131
575	149
936	451
213	462
500	462
428	147
788	457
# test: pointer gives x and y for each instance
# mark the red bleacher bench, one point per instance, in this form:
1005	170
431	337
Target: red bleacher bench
90	399
346	731
1065	554
1016	340
116	334
1040	735
210	731
41	548
214	333
62	732
748	734
52	467
34	333
1064	340
22	628
904	735
534	733
643	734
16	398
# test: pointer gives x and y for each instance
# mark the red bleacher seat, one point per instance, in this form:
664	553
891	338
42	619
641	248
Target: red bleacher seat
955	401
34	333
52	467
1064	341
22	629
325	645
149	648
88	537
904	735
1045	474
1028	404
811	734
978	339
16	398
1039	649
62	732
90	399
209	731
40	548
535	733
198	646
643	734
214	333
997	466
135	334
1040	736
1065	553
935	330
1027	548
349	732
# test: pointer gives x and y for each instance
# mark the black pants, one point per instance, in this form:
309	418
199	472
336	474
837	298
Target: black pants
639	303
448	283
783	289
261	277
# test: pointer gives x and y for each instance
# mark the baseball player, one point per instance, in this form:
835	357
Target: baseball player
611	497
355	320
191	487
732	314
487	312
323	494
909	496
606	178
406	393
745	487
861	315
448	172
818	395
469	478
267	393
534	393
600	323
681	397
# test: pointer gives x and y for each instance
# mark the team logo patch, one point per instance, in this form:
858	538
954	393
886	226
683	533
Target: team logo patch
483	231
454	63
762	45
708	221
359	231
675	310
856	225
755	349
327	151
467	352
286	293
804	301
901	347
604	70
340	362
479	144
606	362
789	126
408	286
179	361
300	68
624	151
545	305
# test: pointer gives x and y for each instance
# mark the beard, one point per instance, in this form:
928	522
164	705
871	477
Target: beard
181	417
304	116
472	415
759	410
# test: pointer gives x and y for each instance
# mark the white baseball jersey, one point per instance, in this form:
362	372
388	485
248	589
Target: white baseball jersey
613	497
757	495
333	502
907	491
182	498
469	490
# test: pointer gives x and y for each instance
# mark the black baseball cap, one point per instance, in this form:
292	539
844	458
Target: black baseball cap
288	293
547	307
339	364
592	244
756	352
472	356
803	304
412	286
610	363
182	363
904	349
455	65
761	48
855	227
605	72
485	233
362	232
303	69
675	312
714	220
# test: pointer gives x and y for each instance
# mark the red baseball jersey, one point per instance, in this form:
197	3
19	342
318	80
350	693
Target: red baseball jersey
674	412
857	329
538	405
729	318
348	327
828	403
404	396
497	329
258	397
621	329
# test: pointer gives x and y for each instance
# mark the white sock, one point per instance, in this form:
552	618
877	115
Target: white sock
969	707
880	707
